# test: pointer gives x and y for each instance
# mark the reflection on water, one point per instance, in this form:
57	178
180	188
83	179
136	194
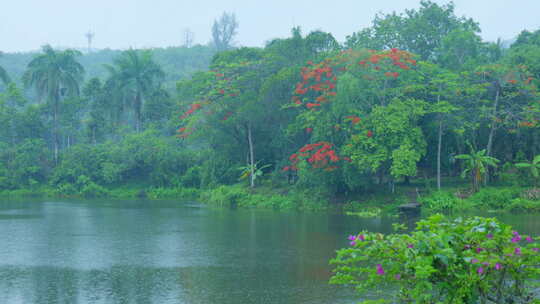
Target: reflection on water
169	252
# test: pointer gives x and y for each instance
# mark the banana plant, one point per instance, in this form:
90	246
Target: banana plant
476	165
533	166
257	171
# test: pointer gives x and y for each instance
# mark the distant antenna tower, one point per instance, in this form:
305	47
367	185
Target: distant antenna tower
89	36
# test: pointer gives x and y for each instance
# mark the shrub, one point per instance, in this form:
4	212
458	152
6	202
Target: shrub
495	198
181	193
93	190
224	195
442	201
477	260
523	205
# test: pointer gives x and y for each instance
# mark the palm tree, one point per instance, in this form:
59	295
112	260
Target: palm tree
54	75
136	75
534	166
476	165
4	75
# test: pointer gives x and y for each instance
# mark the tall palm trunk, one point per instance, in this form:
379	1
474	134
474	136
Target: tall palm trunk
439	145
439	148
138	106
492	131
251	157
56	143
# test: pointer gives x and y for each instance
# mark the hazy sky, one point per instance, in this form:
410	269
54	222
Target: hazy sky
28	24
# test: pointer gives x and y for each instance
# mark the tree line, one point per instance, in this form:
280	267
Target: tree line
403	98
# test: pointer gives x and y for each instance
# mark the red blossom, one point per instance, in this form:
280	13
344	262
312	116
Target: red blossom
310	105
354	119
192	109
369	133
320	99
309	130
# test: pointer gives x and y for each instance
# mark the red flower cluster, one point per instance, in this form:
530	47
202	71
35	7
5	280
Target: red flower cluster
354	119
320	79
194	107
318	155
399	58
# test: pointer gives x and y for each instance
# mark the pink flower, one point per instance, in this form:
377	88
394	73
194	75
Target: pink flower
489	236
529	239
410	246
398	276
351	238
361	237
353	243
480	270
516	237
535	249
498	266
517	251
478	250
474	261
380	270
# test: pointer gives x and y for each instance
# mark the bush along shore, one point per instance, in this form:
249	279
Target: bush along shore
449	201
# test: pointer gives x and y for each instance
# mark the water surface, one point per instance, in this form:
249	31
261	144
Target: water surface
174	252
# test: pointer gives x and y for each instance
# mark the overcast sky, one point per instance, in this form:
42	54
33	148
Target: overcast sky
28	24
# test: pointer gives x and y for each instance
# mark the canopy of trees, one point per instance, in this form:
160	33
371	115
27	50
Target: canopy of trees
397	100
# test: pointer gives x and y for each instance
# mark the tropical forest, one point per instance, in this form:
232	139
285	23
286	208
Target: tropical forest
222	173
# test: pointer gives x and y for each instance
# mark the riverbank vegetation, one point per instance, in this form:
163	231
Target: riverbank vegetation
477	260
304	122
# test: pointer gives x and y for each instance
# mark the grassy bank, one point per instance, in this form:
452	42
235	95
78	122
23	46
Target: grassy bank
513	199
451	199
123	192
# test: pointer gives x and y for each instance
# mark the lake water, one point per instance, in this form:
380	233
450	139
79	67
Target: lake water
172	252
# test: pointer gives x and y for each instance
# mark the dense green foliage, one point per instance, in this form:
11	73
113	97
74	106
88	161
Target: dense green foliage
304	114
477	260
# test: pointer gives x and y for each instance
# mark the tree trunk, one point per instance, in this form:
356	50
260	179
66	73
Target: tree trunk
492	132
493	125
55	128
251	158
138	106
439	146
